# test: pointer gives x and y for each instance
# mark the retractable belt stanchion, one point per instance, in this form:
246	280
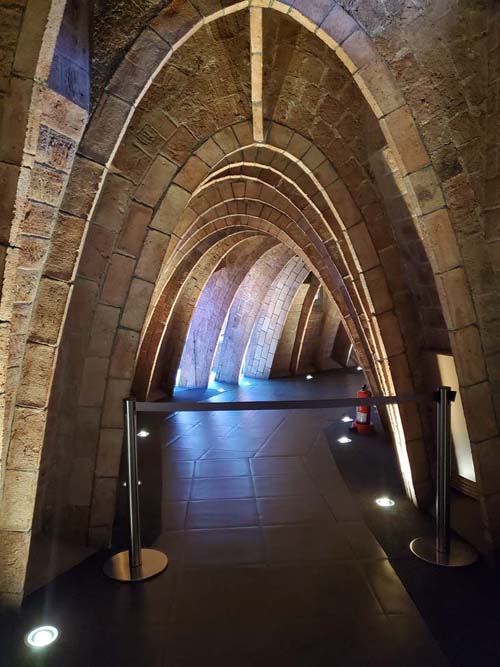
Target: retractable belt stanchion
138	564
135	564
443	549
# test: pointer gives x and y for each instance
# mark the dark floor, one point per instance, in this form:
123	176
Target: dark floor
271	560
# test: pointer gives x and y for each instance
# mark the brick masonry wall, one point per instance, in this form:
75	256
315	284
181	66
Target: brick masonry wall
408	85
283	355
332	324
271	319
243	313
212	309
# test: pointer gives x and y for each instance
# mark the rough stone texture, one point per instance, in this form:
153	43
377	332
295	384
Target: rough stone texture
244	311
381	176
269	323
211	310
49	310
109	452
122	361
27	439
14	547
103	331
117	24
18	497
36	379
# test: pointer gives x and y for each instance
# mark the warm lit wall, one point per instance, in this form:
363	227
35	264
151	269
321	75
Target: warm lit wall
359	103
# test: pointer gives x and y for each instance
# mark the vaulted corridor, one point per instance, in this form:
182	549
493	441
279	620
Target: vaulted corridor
271	561
216	199
272	549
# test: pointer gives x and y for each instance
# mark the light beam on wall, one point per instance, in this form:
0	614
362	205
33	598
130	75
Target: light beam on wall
256	60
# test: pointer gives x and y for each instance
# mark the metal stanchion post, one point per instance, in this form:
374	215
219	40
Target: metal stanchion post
135	564
443	549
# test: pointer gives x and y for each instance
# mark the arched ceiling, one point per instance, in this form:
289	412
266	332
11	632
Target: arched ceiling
192	152
210	134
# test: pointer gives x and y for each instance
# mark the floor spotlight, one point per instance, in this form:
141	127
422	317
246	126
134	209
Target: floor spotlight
42	636
221	391
346	419
385	502
344	440
358	368
143	434
309	377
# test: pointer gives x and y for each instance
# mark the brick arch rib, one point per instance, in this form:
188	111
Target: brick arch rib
244	311
211	311
271	319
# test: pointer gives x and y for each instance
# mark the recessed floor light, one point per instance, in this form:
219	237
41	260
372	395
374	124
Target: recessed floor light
346	419
358	368
309	377
42	636
385	502
344	440
221	391
143	434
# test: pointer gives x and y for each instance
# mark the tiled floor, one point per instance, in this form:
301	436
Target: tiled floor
271	562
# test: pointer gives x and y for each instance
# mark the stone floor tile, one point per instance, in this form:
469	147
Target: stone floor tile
388	587
221	513
224	468
231	545
293	484
214	453
304	543
293	509
222	487
176	489
173	515
276	465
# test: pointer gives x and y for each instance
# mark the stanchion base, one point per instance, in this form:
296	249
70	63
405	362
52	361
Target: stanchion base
153	562
459	555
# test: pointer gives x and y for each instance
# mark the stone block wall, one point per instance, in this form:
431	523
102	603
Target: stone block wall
377	169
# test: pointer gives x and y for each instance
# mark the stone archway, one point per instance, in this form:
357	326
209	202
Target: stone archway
125	244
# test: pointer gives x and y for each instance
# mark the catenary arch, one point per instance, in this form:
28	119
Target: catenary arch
161	346
231	223
244	311
255	202
298	239
410	330
407	387
383	240
208	319
275	215
366	73
271	319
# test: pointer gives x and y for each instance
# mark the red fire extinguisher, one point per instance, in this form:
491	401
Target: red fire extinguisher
362	423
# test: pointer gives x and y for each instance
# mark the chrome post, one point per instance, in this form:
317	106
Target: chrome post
135	564
443	471
443	549
130	418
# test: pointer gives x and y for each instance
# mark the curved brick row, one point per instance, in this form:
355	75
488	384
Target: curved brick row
110	232
271	319
212	309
